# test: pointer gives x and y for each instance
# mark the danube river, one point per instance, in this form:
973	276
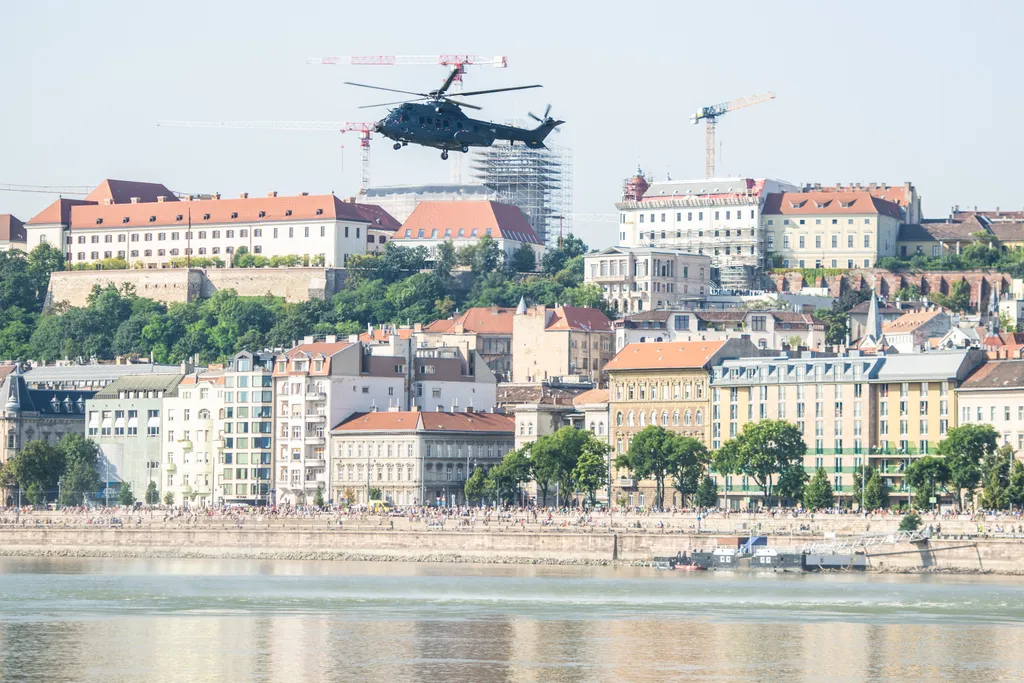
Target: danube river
212	620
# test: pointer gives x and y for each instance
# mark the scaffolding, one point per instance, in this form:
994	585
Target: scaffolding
538	181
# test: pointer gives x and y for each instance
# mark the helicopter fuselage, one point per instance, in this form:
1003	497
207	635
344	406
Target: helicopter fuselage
445	126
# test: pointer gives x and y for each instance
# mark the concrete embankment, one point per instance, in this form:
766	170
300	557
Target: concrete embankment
508	547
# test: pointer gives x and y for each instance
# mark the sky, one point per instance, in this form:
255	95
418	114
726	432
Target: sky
921	91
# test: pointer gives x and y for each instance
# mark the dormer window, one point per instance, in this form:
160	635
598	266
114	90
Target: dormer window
319	212
125	219
288	212
234	214
206	216
99	221
178	217
796	204
152	219
263	214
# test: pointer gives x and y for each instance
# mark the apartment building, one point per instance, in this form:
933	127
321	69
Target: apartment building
127	421
716	217
645	278
488	331
830	229
415	457
767	329
246	430
147	225
664	384
994	394
562	341
192	441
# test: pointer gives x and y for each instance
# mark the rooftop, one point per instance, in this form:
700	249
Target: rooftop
997	374
910	321
479	320
124	191
408	421
643	356
11	229
828	203
578	319
938	365
95	373
467	220
592	397
939	231
148	382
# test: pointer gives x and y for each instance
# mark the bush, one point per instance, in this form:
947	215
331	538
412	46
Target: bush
910	522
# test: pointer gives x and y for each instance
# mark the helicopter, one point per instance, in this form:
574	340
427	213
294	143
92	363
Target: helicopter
433	119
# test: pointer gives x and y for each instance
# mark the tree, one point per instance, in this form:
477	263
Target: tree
927	476
515	469
34	493
818	492
1016	488
168	498
554	260
908	293
707	493
876	494
959	298
963	449
374	493
524	259
152	495
444	260
39	464
836	325
553	458
483	257
910	522
687	465
477	485
995	478
761	451
125	496
318	497
792	481
591	471
648	457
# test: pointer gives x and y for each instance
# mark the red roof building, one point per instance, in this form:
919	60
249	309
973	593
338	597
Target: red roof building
465	223
12	233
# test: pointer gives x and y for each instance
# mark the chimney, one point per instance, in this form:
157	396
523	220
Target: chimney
331	338
215	195
303	194
351	200
136	200
108	201
244	195
414	409
272	193
307	339
161	199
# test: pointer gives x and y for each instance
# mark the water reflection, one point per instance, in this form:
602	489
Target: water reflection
91	620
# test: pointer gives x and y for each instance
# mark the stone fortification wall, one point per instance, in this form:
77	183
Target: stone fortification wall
171	285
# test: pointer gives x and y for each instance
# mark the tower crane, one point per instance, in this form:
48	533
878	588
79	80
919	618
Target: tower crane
460	62
74	190
710	117
364	129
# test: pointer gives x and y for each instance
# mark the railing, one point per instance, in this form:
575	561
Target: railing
313	395
314	440
627	482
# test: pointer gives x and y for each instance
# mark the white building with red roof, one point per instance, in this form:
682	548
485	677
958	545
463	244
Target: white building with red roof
465	223
147	225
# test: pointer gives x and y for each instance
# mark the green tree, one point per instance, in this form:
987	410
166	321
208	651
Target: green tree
995	478
39	464
1016	487
483	257
648	457
168	498
792	481
374	493
515	469
959	298
818	492
555	259
445	259
591	471
761	451
688	461
927	475
553	457
125	496
318	497
876	493
152	495
707	493
963	449
910	522
477	486
524	259
34	494
908	293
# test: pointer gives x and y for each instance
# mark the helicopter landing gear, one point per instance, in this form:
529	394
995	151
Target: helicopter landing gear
444	154
397	145
465	148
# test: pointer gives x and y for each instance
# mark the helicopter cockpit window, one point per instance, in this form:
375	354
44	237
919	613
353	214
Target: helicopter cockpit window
446	124
422	121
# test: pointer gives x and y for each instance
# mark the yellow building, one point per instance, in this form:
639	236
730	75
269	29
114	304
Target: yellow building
664	384
549	343
937	239
830	229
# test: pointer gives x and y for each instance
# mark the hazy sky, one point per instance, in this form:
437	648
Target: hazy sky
891	91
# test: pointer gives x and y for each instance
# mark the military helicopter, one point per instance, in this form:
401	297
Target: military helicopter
433	119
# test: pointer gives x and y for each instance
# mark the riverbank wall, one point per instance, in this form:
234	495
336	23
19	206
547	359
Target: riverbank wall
510	547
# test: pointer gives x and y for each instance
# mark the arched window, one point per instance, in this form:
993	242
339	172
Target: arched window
675	419
643	419
654	417
600	428
686	418
629	420
529	429
700	390
522	428
204	414
664	418
618	445
700	417
686	390
618	419
592	425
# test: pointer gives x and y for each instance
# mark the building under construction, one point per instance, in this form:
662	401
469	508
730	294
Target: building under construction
538	181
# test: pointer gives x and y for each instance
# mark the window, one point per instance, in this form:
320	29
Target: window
835	241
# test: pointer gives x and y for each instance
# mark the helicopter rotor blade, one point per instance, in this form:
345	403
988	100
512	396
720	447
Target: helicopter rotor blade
388	104
462	104
448	81
535	117
377	87
485	92
547	110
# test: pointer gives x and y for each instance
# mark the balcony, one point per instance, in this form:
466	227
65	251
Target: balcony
314	461
627	482
170	468
314	395
318	419
185	445
314	440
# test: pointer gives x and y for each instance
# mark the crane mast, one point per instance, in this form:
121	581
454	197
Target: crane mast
710	117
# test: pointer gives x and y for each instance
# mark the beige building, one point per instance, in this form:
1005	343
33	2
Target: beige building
994	394
192	441
415	457
563	341
830	229
488	331
664	384
766	329
646	278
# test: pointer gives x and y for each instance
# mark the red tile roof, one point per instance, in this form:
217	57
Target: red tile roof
897	194
579	319
407	421
659	355
11	229
828	203
467	220
243	210
122	192
478	320
58	212
323	348
909	322
378	217
383	335
591	397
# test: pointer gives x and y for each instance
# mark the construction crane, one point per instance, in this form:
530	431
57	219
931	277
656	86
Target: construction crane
460	62
75	190
364	129
710	116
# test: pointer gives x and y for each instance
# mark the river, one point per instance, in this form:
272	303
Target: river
220	620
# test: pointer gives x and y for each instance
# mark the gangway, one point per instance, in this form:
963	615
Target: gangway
847	546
